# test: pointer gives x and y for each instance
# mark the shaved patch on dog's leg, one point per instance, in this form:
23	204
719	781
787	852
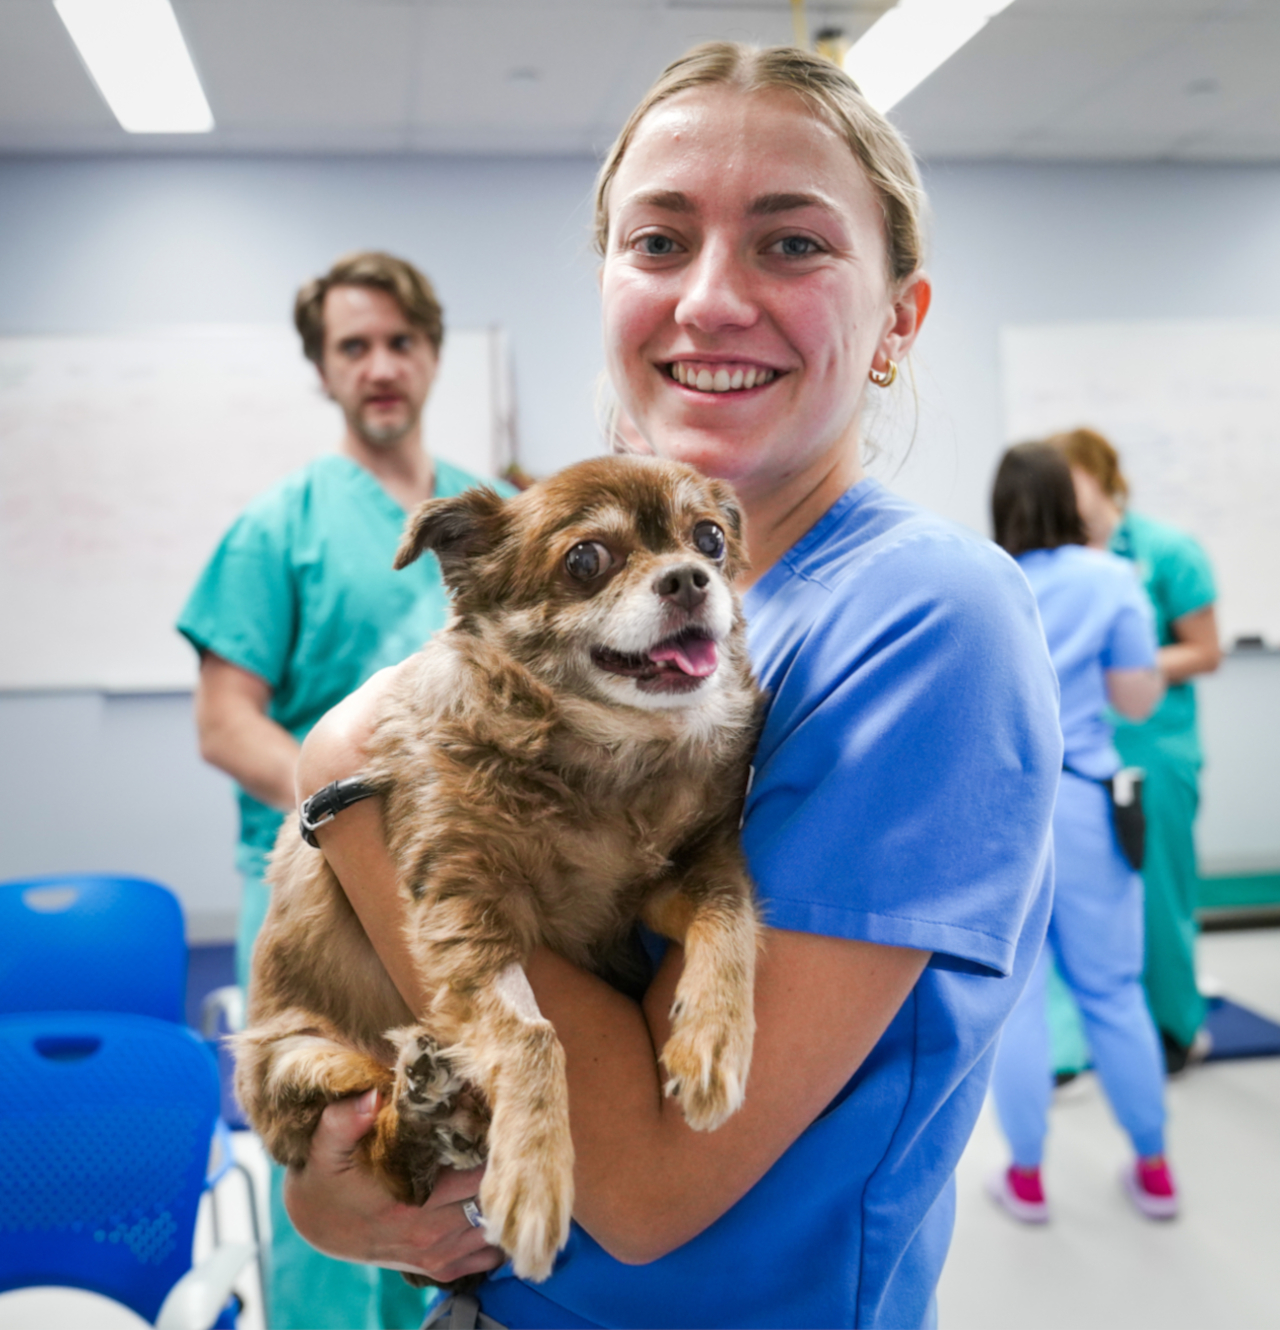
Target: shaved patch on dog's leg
708	1054
512	988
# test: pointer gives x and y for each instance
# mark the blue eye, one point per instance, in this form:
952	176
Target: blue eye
797	247
657	246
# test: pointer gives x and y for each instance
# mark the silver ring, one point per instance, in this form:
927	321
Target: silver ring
472	1212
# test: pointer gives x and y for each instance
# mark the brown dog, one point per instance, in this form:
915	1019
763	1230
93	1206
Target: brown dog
570	754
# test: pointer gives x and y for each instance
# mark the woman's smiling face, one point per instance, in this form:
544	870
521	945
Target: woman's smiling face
745	287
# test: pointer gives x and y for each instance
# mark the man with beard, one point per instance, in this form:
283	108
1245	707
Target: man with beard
298	606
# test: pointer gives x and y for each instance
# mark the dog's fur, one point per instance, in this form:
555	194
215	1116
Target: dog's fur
544	781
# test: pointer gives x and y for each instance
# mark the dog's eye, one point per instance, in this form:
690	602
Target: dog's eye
588	560
709	539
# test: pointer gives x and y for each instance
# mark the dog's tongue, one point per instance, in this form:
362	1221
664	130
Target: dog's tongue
695	656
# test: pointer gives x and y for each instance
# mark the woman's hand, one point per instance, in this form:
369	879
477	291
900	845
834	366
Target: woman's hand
341	1209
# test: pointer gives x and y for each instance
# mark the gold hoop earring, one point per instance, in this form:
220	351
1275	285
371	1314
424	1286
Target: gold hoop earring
883	378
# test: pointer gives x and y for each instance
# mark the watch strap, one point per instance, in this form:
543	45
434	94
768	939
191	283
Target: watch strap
324	805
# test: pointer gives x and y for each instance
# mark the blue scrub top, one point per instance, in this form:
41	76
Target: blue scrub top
1096	618
903	794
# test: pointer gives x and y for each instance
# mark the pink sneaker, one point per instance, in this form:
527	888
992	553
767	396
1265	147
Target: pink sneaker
1019	1191
1149	1184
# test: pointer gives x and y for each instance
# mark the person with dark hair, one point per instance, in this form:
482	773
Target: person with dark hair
1102	642
300	604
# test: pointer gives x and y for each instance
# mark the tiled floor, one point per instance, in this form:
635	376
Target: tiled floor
1098	1264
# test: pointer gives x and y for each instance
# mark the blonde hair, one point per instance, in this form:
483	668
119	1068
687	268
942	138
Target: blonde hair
1088	450
831	95
383	272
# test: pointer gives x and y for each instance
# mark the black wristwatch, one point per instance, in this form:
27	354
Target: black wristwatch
324	805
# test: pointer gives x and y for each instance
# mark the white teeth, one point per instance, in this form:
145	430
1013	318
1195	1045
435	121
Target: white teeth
720	380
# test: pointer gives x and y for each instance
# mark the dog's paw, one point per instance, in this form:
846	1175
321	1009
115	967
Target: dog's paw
527	1200
707	1058
426	1081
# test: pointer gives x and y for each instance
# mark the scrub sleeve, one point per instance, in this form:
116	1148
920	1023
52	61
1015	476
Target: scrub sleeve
1176	575
903	791
301	592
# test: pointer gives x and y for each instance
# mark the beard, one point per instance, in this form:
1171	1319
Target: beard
382	435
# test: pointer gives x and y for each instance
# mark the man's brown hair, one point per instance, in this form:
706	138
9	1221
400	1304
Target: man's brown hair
384	272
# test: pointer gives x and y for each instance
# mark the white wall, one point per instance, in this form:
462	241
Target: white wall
93	245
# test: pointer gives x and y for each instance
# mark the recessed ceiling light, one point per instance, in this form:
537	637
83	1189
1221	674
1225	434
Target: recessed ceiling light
908	42
135	54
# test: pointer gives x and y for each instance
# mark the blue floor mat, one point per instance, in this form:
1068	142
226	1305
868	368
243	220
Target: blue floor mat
1238	1032
208	967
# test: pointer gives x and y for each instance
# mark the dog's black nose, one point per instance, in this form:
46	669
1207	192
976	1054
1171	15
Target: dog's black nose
686	585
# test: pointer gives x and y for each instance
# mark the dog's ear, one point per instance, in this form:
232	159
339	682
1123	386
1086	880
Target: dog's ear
457	530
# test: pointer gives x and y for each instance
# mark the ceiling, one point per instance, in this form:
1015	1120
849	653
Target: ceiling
1082	80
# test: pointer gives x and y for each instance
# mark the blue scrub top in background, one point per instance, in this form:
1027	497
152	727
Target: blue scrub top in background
1096	618
904	787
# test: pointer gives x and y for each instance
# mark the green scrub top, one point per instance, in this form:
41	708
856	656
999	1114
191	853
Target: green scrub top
302	593
1175	573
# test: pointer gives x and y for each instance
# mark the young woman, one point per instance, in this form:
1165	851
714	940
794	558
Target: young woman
1101	639
759	226
1177	578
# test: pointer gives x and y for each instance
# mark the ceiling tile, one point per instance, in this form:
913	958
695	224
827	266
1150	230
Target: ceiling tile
44	87
1046	80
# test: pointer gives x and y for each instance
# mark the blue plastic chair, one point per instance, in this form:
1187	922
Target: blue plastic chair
104	1143
96	942
80	942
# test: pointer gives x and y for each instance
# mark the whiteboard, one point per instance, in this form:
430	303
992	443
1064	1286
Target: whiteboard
1193	407
124	458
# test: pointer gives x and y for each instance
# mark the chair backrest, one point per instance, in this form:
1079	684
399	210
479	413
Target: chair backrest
105	1126
83	942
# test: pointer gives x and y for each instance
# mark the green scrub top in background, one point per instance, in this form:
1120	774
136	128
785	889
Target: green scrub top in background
301	592
1175	572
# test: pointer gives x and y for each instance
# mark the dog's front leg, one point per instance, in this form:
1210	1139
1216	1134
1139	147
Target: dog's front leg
501	1042
711	912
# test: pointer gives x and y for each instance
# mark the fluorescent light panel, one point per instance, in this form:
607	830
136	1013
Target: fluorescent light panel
907	43
134	52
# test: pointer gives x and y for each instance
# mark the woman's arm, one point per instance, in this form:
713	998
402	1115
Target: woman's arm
1135	694
645	1182
1196	651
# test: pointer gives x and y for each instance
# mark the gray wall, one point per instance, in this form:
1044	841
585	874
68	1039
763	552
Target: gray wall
92	781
